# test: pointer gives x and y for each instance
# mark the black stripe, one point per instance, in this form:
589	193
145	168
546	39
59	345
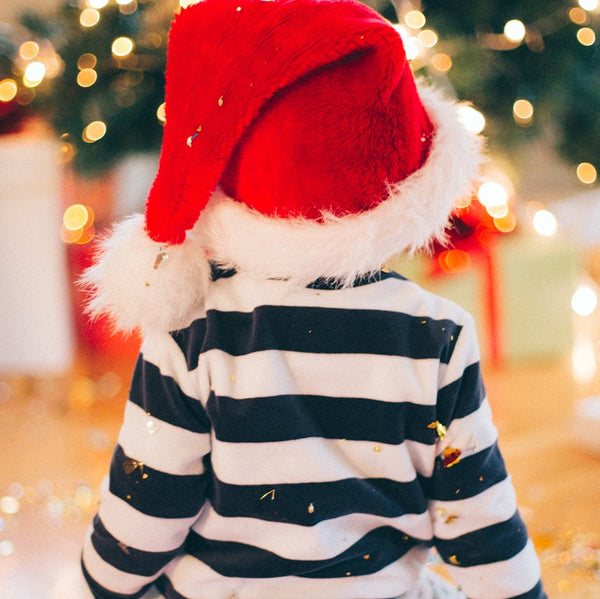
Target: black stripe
291	503
99	592
382	546
160	396
475	549
286	417
153	492
468	477
319	330
127	559
537	592
360	281
461	397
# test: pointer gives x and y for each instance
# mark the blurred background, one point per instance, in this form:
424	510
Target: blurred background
81	116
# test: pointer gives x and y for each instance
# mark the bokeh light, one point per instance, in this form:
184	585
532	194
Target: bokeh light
34	74
586	36
471	118
414	19
544	223
89	17
122	46
94	131
514	30
586	173
29	50
584	301
8	90
87	77
523	111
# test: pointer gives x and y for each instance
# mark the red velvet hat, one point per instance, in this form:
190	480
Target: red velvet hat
296	146
295	106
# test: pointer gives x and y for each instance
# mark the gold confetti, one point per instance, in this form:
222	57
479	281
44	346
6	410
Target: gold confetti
130	466
160	257
311	508
367	556
451	457
377	448
454	560
232	378
220	100
123	547
440	429
451	518
271	493
348	573
147	283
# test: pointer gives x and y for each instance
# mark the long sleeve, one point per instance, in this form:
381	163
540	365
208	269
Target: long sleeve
477	527
156	485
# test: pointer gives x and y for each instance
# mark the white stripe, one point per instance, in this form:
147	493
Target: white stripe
319	542
195	580
466	353
162	351
108	576
312	460
161	445
138	530
455	518
385	378
471	434
499	580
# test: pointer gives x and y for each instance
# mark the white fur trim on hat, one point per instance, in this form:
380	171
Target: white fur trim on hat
136	295
342	248
141	285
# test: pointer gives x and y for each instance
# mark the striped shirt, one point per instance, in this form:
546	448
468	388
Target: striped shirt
314	442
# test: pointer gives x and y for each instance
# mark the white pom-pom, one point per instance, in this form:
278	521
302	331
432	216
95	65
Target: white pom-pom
142	285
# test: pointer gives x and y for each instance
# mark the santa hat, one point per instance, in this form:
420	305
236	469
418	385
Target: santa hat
296	146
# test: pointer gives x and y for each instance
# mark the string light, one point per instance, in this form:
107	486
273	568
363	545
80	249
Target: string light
523	111
29	50
160	114
87	77
586	173
34	74
578	15
414	19
544	223
94	131
8	90
586	36
514	30
87	61
471	118
584	301
427	38
441	62
89	17
122	46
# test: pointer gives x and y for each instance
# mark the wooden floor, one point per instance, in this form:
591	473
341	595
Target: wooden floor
56	437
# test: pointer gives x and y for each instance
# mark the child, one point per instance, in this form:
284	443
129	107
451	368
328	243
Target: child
301	424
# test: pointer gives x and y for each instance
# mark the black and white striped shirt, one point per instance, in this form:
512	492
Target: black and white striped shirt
314	442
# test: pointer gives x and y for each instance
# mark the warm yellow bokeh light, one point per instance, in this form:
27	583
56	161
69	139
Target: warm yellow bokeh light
34	74
587	173
94	131
87	61
122	46
76	217
588	5
492	193
471	118
586	36
507	223
160	113
8	90
87	77
29	50
97	3
428	38
544	223
441	62
578	15
523	111
89	17
414	19
514	30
